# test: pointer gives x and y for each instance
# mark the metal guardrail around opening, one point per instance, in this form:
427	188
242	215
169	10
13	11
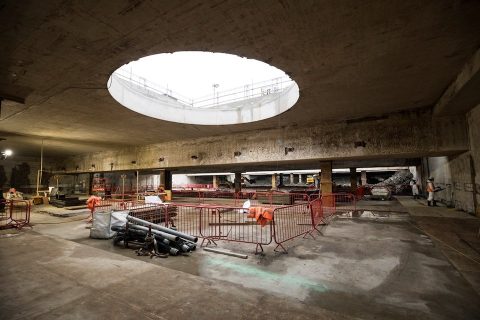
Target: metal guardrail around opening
218	98
15	214
214	222
238	198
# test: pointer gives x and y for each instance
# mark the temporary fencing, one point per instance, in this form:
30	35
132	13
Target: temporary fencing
185	218
109	204
195	195
338	202
218	197
360	192
291	222
270	198
14	214
319	215
123	196
154	213
233	224
213	223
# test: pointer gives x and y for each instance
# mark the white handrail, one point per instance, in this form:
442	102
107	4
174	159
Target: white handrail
246	92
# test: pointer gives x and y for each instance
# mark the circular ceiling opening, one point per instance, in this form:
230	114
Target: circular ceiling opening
203	88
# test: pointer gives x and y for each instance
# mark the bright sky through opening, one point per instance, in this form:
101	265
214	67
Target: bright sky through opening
193	73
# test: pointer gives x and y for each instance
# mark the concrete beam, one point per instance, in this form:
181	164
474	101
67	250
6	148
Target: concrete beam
464	92
397	136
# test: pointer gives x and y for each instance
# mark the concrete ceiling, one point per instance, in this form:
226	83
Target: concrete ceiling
351	59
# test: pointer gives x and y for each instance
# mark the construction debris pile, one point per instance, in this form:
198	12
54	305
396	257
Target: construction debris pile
153	240
398	182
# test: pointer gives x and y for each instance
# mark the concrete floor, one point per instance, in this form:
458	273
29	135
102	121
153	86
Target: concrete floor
375	264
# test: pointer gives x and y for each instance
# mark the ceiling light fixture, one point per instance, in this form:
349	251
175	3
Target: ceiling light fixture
5	154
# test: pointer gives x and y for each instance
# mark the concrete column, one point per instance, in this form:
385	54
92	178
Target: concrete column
420	178
90	183
300	179
167	180
215	182
238	181
353	179
280	180
363	177
274	181
291	179
326	184
162	178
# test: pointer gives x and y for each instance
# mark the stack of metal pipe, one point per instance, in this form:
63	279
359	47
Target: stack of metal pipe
154	239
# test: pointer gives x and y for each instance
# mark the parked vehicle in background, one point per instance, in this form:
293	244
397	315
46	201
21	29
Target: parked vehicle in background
381	192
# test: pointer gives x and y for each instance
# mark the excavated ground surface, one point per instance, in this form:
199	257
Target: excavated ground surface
367	264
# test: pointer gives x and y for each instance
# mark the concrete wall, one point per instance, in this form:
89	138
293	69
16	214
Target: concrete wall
454	174
156	105
400	135
473	119
33	166
459	174
462	182
439	169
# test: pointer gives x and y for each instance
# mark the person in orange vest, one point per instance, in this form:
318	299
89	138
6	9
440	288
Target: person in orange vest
92	202
431	192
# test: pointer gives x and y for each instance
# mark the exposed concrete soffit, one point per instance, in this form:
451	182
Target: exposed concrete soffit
464	92
399	136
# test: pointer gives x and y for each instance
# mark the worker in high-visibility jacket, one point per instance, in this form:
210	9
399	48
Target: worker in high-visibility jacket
431	192
414	186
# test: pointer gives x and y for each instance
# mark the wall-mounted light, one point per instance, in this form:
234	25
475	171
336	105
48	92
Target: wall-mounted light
194	157
237	153
133	162
111	166
93	166
76	168
161	159
289	149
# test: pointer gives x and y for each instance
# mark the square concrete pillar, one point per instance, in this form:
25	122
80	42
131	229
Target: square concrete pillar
162	178
274	181
280	180
238	181
166	179
353	179
215	182
326	184
291	179
363	177
317	180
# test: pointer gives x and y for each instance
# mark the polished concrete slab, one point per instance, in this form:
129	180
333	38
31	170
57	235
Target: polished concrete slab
368	265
